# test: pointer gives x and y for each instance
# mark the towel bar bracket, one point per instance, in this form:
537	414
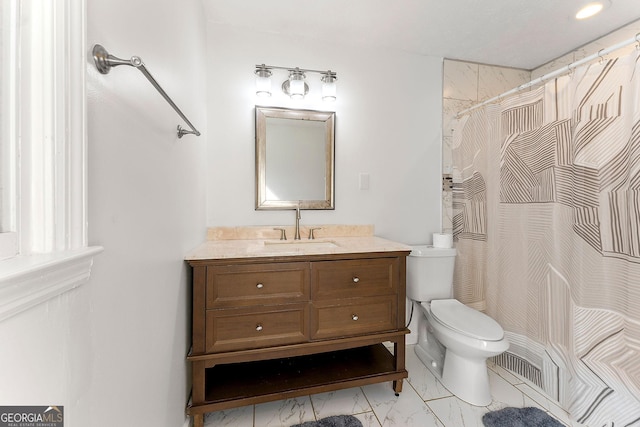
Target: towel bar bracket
105	61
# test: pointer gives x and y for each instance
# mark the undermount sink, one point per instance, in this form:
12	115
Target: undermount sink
300	244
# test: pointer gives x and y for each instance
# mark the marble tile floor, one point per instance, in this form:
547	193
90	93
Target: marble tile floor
423	402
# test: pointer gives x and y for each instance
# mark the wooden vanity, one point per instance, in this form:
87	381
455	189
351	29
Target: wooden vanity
274	321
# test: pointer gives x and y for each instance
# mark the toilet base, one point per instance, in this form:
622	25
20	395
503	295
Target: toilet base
465	378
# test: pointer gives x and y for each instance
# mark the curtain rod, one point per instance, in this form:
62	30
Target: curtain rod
566	69
104	61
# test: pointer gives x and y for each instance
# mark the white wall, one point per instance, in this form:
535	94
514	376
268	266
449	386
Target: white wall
113	351
388	124
45	356
147	208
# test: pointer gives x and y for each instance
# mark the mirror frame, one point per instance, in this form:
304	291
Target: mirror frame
328	118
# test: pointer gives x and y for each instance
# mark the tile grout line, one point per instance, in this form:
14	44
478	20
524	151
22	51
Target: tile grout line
426	402
371	406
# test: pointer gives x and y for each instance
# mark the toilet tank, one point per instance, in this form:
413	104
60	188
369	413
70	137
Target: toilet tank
430	273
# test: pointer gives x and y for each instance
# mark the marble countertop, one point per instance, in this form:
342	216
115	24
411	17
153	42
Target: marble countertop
261	242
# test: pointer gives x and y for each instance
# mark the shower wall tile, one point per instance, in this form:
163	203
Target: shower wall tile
447	160
493	81
451	107
552	66
618	36
624	33
460	80
447	212
447	193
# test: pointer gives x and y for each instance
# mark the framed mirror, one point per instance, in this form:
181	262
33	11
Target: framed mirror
294	158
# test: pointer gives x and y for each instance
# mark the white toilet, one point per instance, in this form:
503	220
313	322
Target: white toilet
454	341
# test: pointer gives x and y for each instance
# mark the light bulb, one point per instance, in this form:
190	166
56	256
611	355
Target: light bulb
329	88
296	84
263	81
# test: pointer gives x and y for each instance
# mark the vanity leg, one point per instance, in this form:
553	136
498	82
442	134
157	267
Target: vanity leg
197	382
397	387
197	390
198	420
399	353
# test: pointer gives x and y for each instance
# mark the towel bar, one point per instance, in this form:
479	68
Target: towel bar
105	61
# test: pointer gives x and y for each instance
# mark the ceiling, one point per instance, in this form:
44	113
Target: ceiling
515	33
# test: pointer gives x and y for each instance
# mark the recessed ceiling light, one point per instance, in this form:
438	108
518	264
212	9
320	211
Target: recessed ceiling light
590	9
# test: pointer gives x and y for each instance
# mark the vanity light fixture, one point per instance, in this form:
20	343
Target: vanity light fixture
295	85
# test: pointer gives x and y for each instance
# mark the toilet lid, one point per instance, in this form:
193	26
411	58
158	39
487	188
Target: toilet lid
472	323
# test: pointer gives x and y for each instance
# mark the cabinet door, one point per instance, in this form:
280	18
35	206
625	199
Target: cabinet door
252	284
354	278
256	327
355	316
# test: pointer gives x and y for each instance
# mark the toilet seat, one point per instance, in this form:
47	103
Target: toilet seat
454	315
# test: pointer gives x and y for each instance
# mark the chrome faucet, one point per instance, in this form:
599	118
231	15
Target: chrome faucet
297	236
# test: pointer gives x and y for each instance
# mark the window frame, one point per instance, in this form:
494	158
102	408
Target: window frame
51	222
8	124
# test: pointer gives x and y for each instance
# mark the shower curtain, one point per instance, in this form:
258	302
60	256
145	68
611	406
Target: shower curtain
546	205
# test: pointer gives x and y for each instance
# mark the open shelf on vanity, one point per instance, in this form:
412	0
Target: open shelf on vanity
236	384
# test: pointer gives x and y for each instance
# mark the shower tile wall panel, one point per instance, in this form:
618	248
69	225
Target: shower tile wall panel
460	80
492	81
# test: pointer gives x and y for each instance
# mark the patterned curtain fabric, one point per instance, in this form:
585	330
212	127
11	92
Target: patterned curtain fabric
546	205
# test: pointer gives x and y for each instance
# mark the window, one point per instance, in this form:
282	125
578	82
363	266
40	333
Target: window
8	120
42	152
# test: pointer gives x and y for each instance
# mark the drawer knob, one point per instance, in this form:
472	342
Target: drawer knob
259	286
354	317
356	279
258	327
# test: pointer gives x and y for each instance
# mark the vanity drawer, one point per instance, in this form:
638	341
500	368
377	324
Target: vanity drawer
241	285
338	318
354	278
247	328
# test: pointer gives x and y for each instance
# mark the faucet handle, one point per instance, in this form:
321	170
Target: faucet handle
283	233
311	230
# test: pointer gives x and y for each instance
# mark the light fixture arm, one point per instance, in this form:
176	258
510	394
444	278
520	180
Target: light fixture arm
304	70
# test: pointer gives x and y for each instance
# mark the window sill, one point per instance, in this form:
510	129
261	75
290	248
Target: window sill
26	281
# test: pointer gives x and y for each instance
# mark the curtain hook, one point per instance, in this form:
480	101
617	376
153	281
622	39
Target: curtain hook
601	57
638	41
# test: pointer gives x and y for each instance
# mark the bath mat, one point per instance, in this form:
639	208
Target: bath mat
519	417
335	421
